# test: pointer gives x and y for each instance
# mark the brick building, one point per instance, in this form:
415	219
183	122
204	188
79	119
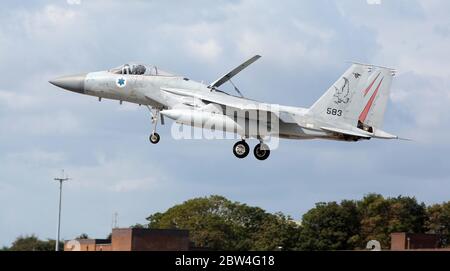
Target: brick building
127	239
415	241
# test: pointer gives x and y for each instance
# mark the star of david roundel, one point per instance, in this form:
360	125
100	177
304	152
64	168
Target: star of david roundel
121	82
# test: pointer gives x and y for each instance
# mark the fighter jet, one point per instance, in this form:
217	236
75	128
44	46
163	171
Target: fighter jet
351	110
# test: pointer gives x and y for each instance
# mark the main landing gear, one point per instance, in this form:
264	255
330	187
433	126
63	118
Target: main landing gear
241	150
261	151
154	136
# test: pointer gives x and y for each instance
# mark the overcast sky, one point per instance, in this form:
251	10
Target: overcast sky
305	45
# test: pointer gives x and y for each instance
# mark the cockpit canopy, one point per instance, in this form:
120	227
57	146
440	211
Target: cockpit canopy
140	69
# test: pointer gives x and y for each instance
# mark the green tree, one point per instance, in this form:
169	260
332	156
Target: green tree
277	232
350	225
330	226
406	215
32	243
220	224
439	221
138	226
380	217
83	236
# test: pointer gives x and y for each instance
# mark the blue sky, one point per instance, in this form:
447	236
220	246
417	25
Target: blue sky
305	46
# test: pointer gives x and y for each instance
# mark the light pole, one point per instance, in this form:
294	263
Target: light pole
60	180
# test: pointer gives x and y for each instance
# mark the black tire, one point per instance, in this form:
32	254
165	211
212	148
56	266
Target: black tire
261	152
241	149
154	138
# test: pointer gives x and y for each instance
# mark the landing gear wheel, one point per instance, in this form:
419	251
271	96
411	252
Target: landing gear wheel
261	151
241	149
154	138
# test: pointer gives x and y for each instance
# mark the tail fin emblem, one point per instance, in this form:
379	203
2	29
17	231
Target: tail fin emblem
342	94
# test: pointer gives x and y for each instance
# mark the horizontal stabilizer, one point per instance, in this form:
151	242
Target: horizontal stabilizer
383	135
346	132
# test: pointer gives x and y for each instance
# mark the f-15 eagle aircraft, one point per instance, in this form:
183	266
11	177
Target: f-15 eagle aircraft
352	109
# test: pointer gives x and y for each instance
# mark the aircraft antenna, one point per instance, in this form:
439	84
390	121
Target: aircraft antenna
115	220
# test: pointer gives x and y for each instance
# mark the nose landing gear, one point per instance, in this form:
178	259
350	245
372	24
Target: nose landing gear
154	136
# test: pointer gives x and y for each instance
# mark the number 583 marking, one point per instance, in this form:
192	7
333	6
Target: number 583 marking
334	112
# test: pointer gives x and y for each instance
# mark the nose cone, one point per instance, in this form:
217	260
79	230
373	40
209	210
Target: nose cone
73	83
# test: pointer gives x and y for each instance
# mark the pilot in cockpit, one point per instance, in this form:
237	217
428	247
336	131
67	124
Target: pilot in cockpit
126	69
138	70
134	69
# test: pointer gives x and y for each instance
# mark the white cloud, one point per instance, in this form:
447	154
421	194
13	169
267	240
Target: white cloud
409	42
36	157
14	100
427	101
118	175
201	40
47	20
399	95
323	35
208	50
281	50
43	123
130	185
74	2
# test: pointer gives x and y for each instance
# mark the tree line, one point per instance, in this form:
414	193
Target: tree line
32	243
217	223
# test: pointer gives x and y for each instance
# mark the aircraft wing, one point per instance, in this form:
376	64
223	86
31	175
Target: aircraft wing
232	73
218	98
237	103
